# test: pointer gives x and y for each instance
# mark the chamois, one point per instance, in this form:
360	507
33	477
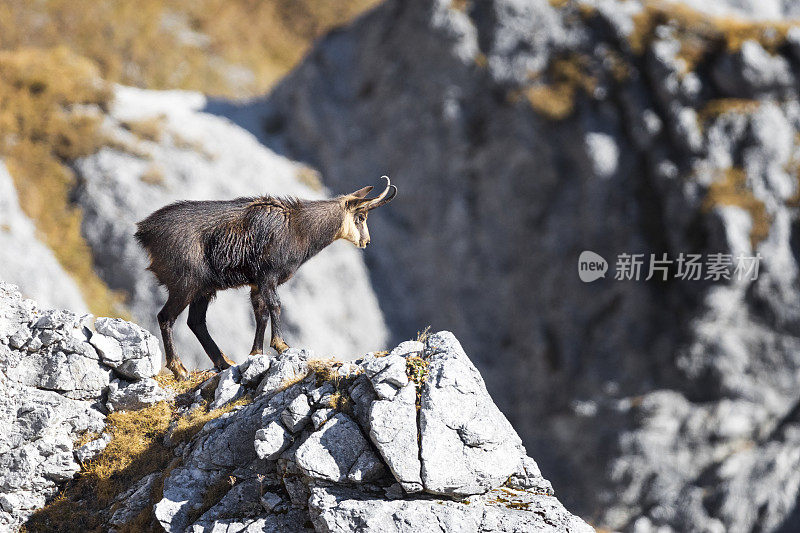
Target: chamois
197	248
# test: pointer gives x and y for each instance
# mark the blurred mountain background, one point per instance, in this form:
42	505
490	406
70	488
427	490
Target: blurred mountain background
520	133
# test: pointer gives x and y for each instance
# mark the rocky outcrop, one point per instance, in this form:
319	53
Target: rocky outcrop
25	261
301	447
521	134
279	471
60	372
162	148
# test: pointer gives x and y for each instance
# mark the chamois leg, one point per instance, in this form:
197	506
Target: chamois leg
166	319
274	305
261	312
197	323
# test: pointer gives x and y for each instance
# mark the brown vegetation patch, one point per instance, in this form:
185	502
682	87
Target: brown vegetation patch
561	83
731	189
200	43
46	120
325	370
422	336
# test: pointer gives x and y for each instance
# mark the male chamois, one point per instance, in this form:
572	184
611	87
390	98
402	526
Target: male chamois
199	248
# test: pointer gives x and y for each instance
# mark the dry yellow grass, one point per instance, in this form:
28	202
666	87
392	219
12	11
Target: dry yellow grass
341	401
187	44
268	37
325	370
731	189
196	377
43	124
136	450
85	438
422	336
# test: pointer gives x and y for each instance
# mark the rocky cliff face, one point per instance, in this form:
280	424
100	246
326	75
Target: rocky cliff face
407	440
60	372
160	148
521	134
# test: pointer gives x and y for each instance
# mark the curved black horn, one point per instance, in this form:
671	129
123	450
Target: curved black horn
385	197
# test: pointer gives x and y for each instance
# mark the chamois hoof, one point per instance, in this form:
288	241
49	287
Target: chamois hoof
280	346
226	362
179	371
256	352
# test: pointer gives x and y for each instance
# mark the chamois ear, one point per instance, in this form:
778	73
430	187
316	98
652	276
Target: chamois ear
361	193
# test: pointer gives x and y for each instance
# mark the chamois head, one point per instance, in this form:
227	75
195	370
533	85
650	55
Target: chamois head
356	206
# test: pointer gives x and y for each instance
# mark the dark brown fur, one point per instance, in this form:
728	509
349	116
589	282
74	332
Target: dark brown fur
199	248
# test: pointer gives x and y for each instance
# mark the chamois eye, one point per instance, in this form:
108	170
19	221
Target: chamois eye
360	218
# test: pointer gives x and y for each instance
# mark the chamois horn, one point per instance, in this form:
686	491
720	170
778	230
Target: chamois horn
383	198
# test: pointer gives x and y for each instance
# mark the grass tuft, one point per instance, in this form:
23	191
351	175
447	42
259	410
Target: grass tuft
422	336
417	371
325	370
341	401
85	438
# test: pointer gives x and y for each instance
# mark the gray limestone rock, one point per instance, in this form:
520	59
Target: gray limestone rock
467	445
331	452
389	423
53	383
127	396
297	414
343	510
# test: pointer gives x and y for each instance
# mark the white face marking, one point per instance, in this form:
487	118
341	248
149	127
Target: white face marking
353	231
